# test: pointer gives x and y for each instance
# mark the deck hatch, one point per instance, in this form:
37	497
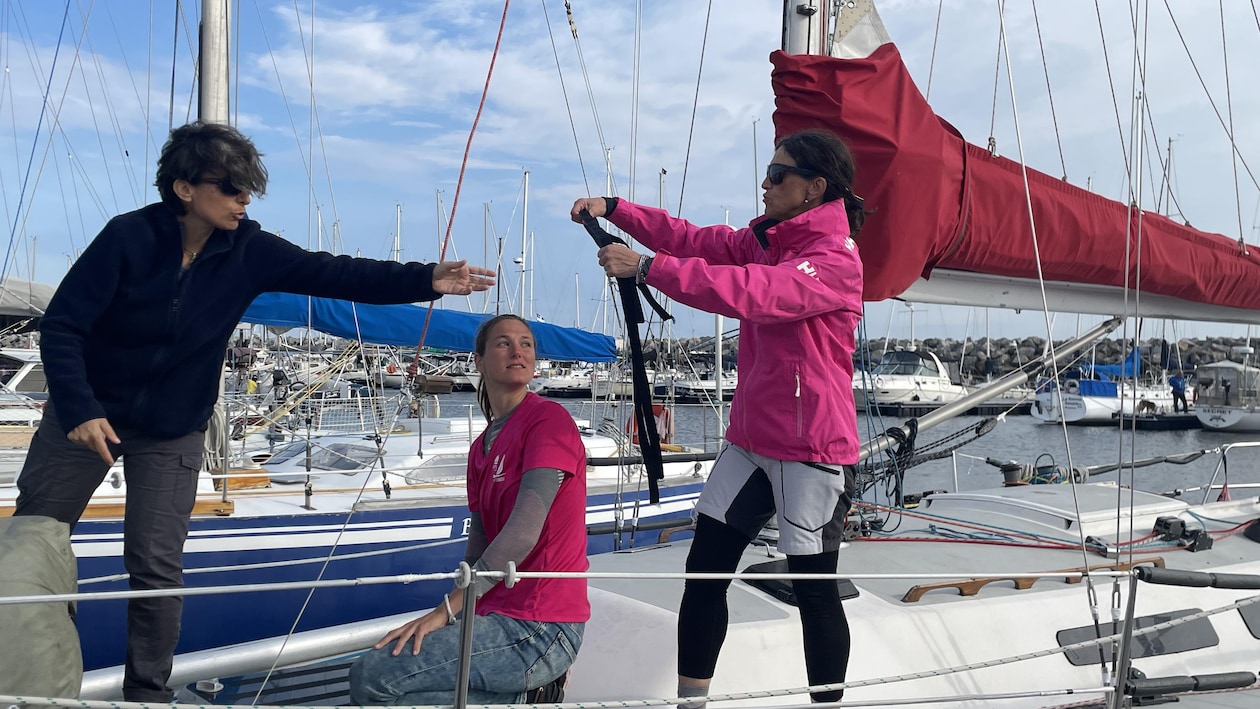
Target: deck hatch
1193	635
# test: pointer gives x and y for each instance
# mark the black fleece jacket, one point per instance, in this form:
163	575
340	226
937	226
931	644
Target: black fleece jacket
128	338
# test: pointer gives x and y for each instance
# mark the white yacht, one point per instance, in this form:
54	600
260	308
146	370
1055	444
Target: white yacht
1227	397
908	376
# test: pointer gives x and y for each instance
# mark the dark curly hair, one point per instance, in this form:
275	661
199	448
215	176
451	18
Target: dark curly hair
199	148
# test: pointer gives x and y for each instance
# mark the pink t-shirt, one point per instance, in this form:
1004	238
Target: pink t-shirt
539	434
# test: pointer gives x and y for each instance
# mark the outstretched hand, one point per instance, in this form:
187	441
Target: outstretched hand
458	278
594	205
95	434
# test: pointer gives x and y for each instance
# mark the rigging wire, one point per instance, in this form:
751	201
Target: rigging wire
1045	66
1229	109
170	101
695	104
308	56
1233	144
997	73
113	113
463	168
147	104
6	96
96	125
193	51
235	102
1115	103
1140	23
284	95
936	38
564	90
43	110
634	98
1032	224
586	78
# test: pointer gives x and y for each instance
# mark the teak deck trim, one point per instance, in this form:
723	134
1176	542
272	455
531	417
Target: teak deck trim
971	587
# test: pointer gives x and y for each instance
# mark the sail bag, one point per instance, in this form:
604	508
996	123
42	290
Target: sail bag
936	201
39	645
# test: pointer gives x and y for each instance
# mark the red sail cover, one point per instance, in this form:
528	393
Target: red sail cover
940	202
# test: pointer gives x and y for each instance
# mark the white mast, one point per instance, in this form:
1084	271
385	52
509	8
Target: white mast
437	199
805	26
717	356
212	103
485	250
756	172
397	255
524	244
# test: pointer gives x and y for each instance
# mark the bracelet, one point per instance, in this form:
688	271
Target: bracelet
645	262
450	614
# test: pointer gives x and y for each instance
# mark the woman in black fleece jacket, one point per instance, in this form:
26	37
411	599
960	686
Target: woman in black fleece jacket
133	343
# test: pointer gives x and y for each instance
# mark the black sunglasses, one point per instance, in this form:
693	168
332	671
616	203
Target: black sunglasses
225	185
776	171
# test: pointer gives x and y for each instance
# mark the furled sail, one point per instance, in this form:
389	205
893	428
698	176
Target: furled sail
22	303
950	221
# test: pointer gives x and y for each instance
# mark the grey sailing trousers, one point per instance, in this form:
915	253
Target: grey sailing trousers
57	480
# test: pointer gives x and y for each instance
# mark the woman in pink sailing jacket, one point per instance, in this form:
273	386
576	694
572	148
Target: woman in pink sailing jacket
794	280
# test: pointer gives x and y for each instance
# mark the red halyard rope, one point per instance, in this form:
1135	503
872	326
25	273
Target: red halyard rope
459	184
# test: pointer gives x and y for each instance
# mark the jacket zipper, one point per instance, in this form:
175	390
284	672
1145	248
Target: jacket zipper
159	357
800	415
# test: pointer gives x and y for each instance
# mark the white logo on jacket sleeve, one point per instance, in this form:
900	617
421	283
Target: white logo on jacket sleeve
849	243
807	268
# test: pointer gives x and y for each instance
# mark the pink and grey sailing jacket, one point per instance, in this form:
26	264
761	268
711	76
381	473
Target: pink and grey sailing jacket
798	300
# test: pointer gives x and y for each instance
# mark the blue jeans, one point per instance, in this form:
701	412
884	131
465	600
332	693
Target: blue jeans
509	657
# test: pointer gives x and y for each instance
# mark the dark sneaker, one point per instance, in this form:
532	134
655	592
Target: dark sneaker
550	693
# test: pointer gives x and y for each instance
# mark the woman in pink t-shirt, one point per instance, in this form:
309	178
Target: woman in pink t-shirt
527	496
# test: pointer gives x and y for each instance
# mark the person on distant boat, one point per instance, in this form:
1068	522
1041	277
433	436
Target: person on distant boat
527	500
133	344
794	279
1178	384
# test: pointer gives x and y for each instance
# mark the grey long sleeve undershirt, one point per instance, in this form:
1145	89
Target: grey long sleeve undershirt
524	525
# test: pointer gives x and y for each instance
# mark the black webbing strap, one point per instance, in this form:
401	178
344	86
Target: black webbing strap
649	437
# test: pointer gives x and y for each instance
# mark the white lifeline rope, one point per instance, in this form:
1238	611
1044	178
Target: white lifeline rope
17	701
511	576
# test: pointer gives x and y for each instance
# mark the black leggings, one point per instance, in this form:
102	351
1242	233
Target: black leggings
702	618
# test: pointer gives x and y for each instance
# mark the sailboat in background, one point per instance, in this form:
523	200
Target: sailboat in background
1228	396
1095	394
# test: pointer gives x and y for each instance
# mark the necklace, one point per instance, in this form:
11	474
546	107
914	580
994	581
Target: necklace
192	255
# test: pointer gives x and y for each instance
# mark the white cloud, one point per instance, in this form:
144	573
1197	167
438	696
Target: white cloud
397	86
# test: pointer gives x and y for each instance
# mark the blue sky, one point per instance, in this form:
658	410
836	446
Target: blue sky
396	86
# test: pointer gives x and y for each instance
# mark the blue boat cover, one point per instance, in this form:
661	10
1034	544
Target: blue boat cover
1131	367
400	325
1105	389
